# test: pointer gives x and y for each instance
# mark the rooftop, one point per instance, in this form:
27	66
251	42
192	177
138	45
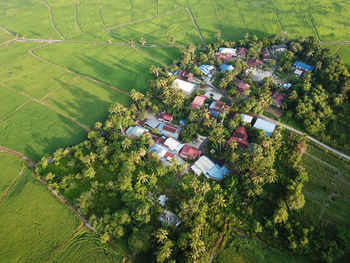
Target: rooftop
185	86
303	66
225	67
198	102
136	131
267	126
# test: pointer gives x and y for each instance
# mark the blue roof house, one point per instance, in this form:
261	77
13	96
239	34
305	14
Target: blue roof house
303	66
225	67
217	172
213	112
267	126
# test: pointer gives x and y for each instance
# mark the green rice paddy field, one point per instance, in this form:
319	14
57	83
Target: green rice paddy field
51	93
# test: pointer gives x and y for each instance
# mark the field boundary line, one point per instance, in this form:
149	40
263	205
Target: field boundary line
76	16
8	42
16	110
52	93
7	31
30	162
335	43
276	13
240	15
99	13
196	26
52	21
153	58
73	72
311	19
13	184
76	232
145	19
217	19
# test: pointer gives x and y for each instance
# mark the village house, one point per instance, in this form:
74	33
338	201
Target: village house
246	118
300	68
173	145
187	76
206	70
278	48
198	102
266	55
136	131
241	86
169	218
165	117
190	152
240	136
230	51
225	67
223	57
210	170
169	130
242	52
266	126
185	86
278	98
152	123
216	107
253	62
162	152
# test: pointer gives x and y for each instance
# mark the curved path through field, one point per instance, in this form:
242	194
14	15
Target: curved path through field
52	21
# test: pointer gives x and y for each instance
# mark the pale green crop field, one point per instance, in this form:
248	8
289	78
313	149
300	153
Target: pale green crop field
87	248
34	223
10	168
40	95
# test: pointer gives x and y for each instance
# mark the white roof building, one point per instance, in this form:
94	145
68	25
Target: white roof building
247	118
152	123
206	69
267	126
136	131
229	51
202	165
169	218
173	145
162	199
185	86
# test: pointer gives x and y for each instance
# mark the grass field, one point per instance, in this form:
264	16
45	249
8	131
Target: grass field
328	190
87	248
34	224
10	168
247	250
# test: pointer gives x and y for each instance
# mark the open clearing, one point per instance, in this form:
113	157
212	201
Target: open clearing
51	96
41	222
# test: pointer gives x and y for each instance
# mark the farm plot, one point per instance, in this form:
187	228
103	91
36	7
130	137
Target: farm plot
125	68
36	131
178	25
143	8
165	6
87	248
27	18
34	223
331	19
344	52
4	36
33	76
259	17
10	168
327	192
164	55
85	101
294	17
10	101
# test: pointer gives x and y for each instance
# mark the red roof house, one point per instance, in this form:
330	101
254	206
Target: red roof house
223	57
198	102
241	86
185	75
166	117
253	62
278	98
190	152
242	52
240	136
219	105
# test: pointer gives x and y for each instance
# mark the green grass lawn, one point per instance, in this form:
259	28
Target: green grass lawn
87	248
36	130
327	192
10	167
248	250
33	223
81	96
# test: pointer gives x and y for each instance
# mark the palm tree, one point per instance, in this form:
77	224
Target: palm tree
155	70
109	40
171	40
142	41
223	84
142	152
116	108
218	36
142	177
161	235
131	42
310	54
98	126
126	143
136	96
219	200
318	65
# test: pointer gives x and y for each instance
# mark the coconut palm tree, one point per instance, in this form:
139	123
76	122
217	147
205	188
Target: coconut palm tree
142	41
155	70
161	235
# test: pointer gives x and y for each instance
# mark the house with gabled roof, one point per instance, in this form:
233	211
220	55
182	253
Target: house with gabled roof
242	52
266	126
169	130
225	67
241	86
253	62
216	107
240	136
198	101
190	152
185	86
278	98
